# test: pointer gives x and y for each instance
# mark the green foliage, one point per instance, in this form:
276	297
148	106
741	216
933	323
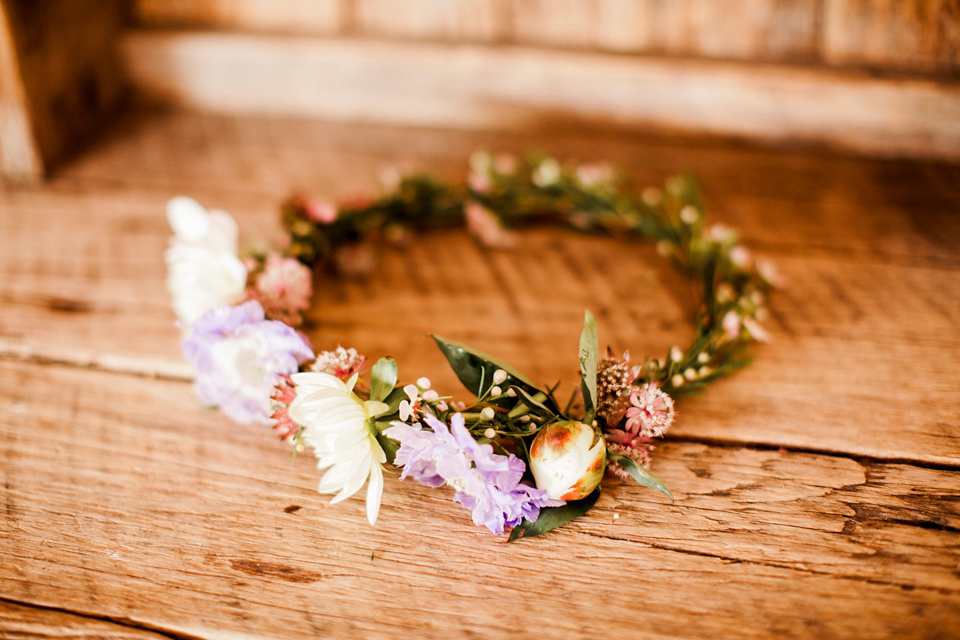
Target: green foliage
589	347
383	378
641	474
553	517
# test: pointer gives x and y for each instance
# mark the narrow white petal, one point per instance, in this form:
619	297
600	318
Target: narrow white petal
357	477
374	492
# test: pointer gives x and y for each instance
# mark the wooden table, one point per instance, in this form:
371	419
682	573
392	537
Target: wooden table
817	492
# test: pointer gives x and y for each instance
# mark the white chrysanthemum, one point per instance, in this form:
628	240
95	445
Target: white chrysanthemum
337	424
203	270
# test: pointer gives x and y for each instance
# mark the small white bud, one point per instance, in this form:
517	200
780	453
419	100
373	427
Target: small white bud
489	433
430	394
616	516
689	215
487	413
512	392
676	354
677	380
499	376
496	392
524	418
423	383
704	371
651	196
690	374
703	358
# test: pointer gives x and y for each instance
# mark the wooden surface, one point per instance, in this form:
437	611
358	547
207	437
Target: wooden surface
816	492
523	88
914	36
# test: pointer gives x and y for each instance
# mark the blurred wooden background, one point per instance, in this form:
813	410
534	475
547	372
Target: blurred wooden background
876	77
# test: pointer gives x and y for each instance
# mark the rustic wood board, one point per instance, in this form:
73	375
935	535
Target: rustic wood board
815	491
89	288
415	83
123	502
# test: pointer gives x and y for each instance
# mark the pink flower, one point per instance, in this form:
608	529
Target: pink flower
283	394
340	362
638	450
591	175
731	325
756	330
741	257
651	413
284	288
479	182
768	271
320	211
486	227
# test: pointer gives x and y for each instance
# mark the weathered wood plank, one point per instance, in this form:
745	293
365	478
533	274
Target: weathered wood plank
456	21
755	30
195	526
905	35
20	622
314	17
866	328
521	88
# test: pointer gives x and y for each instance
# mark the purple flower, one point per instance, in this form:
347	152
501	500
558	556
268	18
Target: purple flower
239	357
487	483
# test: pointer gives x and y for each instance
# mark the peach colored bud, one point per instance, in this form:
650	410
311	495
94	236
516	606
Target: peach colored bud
567	460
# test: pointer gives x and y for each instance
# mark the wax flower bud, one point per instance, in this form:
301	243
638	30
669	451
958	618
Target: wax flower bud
567	460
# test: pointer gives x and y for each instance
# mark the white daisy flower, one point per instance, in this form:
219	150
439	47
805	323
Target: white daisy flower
339	427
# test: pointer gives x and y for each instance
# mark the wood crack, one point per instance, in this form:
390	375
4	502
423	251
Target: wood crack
778	565
120	621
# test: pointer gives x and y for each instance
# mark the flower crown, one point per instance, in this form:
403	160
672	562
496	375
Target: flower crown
514	455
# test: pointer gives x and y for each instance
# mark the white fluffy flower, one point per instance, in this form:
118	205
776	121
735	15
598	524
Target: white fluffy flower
338	425
203	270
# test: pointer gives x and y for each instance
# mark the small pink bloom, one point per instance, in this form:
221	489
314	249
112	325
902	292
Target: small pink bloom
651	412
741	257
731	324
591	175
284	288
505	164
320	211
479	182
757	332
637	450
283	394
768	271
486	227
340	362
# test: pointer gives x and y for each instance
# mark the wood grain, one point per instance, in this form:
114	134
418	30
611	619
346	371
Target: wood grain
525	88
197	527
315	17
906	35
20	622
91	293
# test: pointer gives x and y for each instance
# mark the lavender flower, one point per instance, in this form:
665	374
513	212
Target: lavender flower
239	357
487	483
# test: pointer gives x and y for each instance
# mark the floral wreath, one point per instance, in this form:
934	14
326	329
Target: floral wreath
515	456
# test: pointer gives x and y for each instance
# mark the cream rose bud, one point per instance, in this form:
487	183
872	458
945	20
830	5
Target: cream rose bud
567	460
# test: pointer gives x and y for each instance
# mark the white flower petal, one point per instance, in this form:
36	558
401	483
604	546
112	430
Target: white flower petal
374	492
188	219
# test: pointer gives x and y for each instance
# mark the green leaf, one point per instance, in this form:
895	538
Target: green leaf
531	401
553	517
389	446
589	346
383	378
639	473
475	368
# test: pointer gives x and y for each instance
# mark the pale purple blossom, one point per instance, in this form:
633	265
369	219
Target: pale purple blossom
239	357
486	483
